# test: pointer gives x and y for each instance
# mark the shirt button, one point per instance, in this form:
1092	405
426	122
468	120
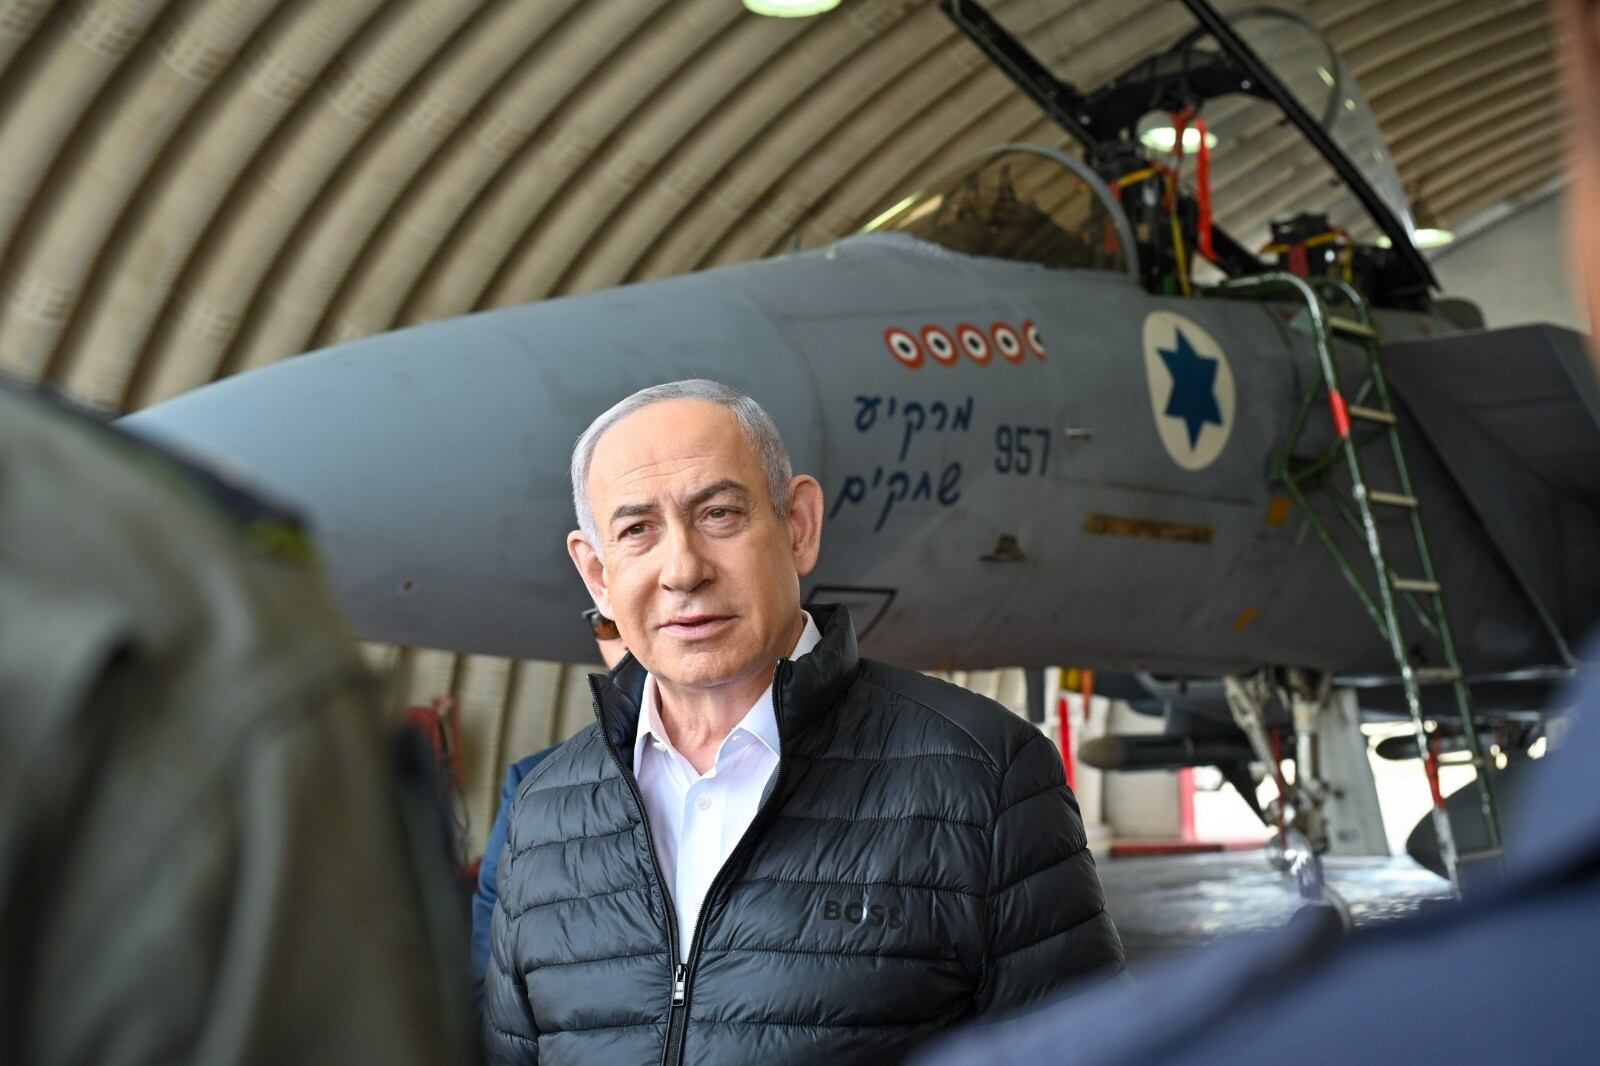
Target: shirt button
704	803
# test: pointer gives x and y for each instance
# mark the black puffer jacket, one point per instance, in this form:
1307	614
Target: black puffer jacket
918	860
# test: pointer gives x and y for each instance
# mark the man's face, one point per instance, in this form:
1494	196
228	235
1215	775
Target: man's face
700	574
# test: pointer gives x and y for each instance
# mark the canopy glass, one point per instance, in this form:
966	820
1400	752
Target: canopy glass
1022	203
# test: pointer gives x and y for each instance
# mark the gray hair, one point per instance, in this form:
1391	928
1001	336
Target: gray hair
753	419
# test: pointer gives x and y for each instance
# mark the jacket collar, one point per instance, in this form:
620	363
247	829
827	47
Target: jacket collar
808	689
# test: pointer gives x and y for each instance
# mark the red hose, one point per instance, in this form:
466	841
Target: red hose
1202	179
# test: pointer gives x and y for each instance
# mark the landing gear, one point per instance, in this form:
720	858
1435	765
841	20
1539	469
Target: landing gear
1331	802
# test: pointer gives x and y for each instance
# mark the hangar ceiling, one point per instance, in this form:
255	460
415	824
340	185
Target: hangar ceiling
191	188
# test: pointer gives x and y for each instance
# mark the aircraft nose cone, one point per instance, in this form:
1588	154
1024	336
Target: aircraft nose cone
431	464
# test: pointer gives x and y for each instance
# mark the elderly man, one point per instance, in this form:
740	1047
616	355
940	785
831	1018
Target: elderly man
766	849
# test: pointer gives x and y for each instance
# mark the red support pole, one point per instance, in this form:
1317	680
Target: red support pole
1431	766
1186	803
1064	725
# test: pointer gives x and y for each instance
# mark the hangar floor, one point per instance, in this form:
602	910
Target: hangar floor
1168	905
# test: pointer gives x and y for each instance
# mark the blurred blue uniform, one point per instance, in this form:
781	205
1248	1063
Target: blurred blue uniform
1509	977
488	888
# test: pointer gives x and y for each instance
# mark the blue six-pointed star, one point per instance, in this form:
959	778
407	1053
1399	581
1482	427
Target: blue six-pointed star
1194	387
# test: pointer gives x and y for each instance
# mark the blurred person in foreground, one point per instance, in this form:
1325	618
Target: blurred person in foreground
767	849
210	849
1505	977
609	643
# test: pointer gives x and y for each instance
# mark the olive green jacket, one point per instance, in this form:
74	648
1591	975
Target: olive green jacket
204	855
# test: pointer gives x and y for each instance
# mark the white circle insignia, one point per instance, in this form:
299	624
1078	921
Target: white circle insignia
939	345
904	347
1005	338
1035	343
974	341
1192	390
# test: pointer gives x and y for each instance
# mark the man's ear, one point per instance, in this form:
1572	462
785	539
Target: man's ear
805	522
591	569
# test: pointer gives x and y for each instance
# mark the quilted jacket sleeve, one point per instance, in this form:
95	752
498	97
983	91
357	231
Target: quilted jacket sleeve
510	1036
1048	924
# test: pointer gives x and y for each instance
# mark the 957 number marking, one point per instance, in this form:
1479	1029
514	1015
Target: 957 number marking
1022	450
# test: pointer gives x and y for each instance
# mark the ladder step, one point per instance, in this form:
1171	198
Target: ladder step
1414	584
1392	499
1371	414
1351	328
1436	673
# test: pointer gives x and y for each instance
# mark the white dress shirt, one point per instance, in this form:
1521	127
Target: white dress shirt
697	820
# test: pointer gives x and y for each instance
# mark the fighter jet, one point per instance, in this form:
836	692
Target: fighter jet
1044	438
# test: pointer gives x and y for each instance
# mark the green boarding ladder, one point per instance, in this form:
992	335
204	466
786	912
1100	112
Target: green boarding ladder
1366	418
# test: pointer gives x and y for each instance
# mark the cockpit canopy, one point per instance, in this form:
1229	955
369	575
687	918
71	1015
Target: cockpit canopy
1019	202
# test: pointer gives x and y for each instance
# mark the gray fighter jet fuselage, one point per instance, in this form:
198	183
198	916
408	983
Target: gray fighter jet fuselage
1030	456
1023	465
1042	440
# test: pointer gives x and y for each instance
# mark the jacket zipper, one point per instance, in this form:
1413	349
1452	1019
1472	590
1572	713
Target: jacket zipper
680	974
680	989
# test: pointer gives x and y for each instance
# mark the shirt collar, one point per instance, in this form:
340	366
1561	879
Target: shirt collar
761	721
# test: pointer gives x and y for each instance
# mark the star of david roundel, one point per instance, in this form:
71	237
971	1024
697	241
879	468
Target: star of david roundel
1191	389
